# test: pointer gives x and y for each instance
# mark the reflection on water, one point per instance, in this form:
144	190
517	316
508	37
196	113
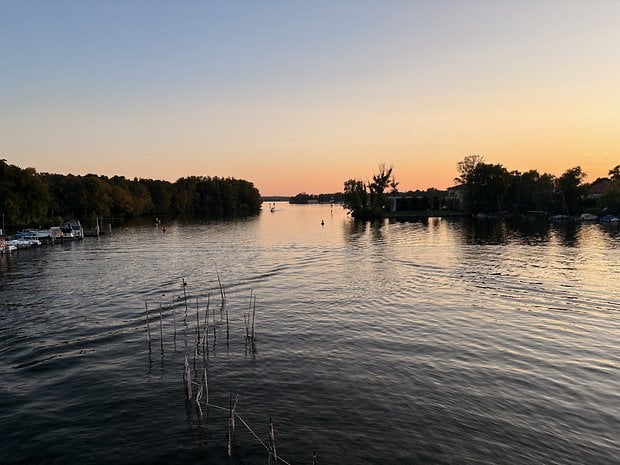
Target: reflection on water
437	341
516	231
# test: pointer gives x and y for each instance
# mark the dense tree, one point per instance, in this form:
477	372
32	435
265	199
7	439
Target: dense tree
490	188
300	198
570	191
161	195
368	200
486	185
355	197
611	199
530	191
24	196
303	198
28	198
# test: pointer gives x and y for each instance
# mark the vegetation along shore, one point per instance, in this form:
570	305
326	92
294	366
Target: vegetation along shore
484	189
28	198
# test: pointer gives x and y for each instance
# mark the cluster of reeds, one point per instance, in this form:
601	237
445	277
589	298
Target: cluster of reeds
197	379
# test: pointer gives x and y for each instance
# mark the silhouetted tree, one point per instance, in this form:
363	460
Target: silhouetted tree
28	198
530	191
570	191
367	201
486	185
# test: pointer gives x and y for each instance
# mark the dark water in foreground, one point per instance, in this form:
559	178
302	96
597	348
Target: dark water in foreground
435	342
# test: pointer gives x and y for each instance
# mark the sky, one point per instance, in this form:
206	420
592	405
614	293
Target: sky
301	96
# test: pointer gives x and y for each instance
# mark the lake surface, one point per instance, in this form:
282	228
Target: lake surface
431	342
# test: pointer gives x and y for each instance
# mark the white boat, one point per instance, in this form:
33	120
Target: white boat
23	243
587	217
40	234
72	230
6	248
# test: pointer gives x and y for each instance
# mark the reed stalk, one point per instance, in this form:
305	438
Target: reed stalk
230	424
205	328
214	327
247	332
198	397
174	323
184	283
205	382
187	378
197	323
254	326
227	327
148	330
272	442
222	293
161	330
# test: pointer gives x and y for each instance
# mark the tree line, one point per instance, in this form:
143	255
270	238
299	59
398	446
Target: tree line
490	189
28	198
303	198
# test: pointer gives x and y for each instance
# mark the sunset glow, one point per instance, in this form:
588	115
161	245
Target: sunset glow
302	96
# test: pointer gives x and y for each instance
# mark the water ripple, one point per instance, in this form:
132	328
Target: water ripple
429	342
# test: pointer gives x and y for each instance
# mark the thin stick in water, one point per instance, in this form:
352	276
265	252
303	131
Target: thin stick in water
197	323
148	330
161	330
174	323
184	295
187	378
230	424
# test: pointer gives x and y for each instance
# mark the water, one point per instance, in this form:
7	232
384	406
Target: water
437	342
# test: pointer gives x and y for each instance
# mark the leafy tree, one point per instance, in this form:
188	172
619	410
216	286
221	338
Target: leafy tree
530	191
488	185
301	198
466	167
611	199
355	197
570	191
380	182
485	185
28	198
367	201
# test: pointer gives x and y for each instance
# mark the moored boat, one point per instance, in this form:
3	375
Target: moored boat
72	229
23	243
